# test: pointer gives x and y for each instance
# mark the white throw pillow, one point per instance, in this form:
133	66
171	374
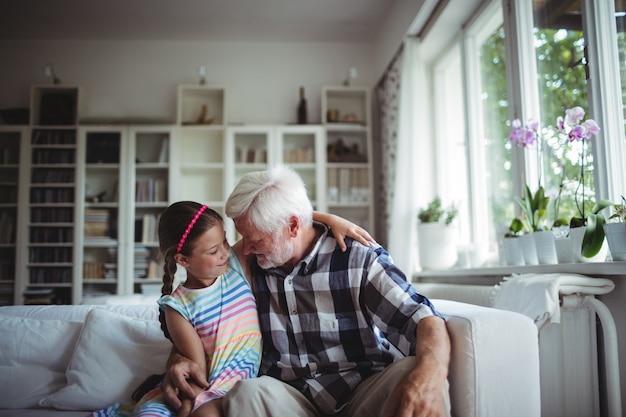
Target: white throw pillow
43	343
114	354
25	386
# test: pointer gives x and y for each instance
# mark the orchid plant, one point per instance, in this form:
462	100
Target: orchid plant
533	209
577	130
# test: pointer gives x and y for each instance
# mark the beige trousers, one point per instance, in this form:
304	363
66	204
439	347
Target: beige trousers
269	397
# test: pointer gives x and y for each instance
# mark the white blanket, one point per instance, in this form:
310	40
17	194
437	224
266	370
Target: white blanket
537	295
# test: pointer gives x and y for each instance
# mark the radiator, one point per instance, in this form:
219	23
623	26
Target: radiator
568	355
568	352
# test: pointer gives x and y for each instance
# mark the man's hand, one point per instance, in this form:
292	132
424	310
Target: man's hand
176	381
416	397
421	392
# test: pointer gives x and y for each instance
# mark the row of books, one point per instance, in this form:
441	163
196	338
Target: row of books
9	156
51	235
52	176
52	215
50	255
43	275
250	155
46	296
53	137
96	223
7	227
53	156
51	195
150	190
299	155
348	185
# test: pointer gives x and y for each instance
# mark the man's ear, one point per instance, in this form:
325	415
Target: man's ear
181	260
294	226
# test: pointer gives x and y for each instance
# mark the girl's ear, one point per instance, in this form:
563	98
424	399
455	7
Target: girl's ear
181	260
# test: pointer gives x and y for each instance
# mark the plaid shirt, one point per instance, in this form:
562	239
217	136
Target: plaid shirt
336	319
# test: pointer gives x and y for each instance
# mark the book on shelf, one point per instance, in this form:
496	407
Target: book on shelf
146	228
150	190
154	269
164	153
96	222
93	270
39	296
7	227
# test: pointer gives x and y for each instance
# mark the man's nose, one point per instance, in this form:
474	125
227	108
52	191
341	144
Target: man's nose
247	247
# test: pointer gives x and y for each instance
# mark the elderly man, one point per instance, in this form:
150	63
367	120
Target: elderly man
344	333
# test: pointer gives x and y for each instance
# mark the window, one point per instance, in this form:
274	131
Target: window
452	171
487	108
498	81
562	84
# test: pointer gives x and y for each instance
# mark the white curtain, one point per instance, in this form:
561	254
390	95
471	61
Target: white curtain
411	163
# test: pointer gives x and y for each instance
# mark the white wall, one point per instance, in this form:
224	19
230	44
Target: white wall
138	80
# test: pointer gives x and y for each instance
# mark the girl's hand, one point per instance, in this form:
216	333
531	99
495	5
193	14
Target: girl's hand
343	228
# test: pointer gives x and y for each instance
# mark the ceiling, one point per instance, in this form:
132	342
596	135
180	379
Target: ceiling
185	20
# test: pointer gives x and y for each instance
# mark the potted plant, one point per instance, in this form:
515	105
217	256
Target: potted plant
615	231
437	241
538	243
511	245
588	238
534	208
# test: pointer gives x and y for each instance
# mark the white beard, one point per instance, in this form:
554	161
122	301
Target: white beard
282	251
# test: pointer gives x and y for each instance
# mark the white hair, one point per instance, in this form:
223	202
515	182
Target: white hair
268	199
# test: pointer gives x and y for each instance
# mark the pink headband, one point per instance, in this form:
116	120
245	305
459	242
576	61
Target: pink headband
189	227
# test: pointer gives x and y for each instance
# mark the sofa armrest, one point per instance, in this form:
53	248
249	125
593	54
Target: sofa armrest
494	368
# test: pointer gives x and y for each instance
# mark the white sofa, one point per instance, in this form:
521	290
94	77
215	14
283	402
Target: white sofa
69	360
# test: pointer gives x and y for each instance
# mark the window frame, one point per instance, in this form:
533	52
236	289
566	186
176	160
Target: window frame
605	100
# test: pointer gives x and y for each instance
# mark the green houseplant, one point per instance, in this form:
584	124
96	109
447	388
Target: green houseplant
435	212
593	224
535	209
511	244
437	238
615	231
538	244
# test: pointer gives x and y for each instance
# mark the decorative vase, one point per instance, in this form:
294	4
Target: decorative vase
577	234
437	246
529	249
513	253
616	238
545	247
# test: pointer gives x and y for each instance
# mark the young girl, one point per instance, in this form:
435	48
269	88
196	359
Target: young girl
212	317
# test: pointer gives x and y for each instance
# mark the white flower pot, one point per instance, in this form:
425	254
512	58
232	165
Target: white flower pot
529	249
513	253
616	237
546	247
577	234
564	251
437	246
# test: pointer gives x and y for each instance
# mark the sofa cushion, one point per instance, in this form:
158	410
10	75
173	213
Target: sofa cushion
31	342
113	355
25	386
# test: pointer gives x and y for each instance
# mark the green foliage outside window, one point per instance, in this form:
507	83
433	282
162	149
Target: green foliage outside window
562	85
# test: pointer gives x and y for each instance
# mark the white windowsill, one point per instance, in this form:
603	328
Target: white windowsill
591	269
